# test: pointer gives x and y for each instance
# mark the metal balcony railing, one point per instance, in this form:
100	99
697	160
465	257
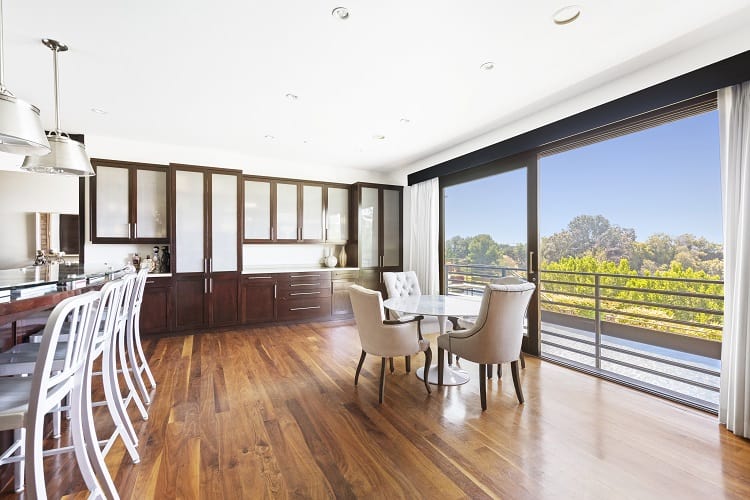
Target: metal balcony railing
662	334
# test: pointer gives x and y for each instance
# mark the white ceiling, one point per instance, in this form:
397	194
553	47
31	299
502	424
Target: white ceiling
215	74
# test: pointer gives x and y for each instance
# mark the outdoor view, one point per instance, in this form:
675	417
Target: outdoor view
631	262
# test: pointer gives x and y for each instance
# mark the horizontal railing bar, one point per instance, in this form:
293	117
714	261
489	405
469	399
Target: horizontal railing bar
635	276
661	374
662	306
570	337
568	294
670	362
676	293
574	306
568	283
572	349
664	320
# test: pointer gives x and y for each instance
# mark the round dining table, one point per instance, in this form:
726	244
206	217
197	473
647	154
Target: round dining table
443	307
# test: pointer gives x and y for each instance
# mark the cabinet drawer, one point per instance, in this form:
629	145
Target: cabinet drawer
296	294
258	279
160	282
299	309
305	281
345	275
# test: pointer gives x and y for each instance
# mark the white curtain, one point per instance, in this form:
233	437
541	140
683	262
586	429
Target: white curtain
424	226
734	116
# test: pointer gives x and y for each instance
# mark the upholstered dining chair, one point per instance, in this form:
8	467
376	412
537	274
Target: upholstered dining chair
496	336
385	338
468	322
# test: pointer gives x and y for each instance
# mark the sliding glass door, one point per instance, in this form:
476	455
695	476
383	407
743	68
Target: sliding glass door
488	216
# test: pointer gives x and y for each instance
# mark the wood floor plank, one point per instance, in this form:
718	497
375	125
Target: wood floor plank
272	412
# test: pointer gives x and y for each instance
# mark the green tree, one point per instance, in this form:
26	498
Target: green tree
483	250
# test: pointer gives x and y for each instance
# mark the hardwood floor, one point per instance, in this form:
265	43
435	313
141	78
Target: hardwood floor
273	413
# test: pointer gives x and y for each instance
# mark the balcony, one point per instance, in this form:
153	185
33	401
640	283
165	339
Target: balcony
662	335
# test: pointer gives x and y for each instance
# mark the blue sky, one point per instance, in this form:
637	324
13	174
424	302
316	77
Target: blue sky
665	179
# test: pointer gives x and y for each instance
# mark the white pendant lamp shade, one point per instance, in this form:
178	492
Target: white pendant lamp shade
21	129
67	156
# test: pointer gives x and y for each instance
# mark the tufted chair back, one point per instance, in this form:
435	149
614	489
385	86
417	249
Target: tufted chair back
403	284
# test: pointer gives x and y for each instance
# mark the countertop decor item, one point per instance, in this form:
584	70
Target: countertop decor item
330	260
67	157
342	256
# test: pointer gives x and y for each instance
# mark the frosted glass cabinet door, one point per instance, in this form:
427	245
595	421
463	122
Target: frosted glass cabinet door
223	223
391	228
286	212
189	228
112	204
257	210
368	227
312	213
337	215
151	199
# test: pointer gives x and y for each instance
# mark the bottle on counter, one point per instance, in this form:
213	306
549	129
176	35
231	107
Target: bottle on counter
136	261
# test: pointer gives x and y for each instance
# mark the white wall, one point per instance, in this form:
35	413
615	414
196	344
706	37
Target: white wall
21	196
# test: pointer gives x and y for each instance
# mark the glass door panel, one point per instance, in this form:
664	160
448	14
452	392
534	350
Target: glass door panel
391	228
189	227
337	214
151	197
286	211
312	213
257	210
368	227
223	223
112	202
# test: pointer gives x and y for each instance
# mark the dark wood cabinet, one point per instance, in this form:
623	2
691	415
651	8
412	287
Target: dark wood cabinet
130	202
207	248
293	211
156	309
378	227
258	298
341	281
304	295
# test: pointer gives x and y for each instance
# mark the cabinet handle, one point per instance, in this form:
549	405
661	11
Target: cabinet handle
210	264
304	308
304	293
150	282
259	277
135	229
205	286
210	285
305	276
274	291
305	284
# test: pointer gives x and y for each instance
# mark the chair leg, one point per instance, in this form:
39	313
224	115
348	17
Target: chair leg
516	380
390	360
136	365
483	385
522	358
450	358
359	367
427	363
441	362
19	435
382	380
489	372
408	364
499	370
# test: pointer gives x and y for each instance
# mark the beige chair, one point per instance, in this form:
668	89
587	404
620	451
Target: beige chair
496	336
385	338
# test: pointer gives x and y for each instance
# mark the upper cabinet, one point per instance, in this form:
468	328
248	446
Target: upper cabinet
129	202
288	211
379	227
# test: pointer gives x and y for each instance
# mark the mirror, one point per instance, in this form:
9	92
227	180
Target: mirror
22	196
58	233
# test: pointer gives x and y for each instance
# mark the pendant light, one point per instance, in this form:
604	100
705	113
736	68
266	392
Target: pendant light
68	157
21	130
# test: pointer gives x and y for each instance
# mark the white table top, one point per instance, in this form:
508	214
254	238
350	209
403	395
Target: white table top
436	305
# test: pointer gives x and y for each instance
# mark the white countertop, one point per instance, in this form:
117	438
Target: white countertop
159	275
292	269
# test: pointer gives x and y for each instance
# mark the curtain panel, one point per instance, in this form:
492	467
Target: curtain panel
734	117
424	258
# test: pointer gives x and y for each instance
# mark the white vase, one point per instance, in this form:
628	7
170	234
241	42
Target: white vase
331	261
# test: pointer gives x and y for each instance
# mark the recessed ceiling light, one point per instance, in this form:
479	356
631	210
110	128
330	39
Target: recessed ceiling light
98	111
292	97
269	137
566	15
405	120
340	13
378	137
487	66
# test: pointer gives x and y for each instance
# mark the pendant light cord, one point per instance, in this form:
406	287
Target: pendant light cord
57	99
2	54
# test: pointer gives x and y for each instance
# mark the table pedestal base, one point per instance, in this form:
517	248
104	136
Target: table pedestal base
451	375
